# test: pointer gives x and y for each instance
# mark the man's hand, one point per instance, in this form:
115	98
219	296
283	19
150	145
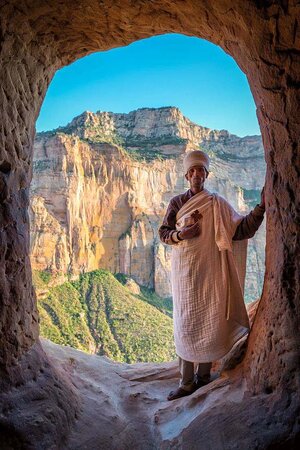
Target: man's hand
190	231
262	198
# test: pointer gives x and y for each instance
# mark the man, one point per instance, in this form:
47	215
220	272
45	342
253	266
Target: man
208	266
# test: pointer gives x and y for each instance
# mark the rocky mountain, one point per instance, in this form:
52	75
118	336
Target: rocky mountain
102	183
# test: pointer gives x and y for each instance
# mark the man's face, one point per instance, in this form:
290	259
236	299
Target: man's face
196	176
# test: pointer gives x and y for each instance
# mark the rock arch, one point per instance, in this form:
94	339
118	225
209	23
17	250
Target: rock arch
263	37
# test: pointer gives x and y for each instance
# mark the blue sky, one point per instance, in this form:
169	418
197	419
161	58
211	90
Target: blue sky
169	70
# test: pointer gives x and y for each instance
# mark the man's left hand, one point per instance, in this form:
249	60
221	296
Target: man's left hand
262	198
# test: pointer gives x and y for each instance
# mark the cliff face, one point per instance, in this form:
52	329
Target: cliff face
101	186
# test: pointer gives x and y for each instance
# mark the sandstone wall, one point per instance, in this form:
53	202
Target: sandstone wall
92	206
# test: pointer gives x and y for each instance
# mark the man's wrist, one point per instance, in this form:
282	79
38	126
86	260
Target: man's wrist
175	238
260	208
179	236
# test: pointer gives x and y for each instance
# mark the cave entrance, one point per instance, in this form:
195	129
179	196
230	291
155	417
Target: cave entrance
263	40
102	182
263	37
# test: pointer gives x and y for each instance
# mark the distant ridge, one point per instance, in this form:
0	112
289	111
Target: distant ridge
86	114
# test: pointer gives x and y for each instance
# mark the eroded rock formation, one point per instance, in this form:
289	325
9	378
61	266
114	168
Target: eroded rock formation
94	204
37	38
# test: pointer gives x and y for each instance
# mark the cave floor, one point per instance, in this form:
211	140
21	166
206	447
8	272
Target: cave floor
124	406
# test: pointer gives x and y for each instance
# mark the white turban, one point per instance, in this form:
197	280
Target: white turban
195	158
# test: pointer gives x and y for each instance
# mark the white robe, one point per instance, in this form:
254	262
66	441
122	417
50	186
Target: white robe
208	274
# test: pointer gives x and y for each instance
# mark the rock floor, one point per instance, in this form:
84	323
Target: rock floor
124	406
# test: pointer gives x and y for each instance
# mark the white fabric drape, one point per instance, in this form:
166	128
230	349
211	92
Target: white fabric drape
208	274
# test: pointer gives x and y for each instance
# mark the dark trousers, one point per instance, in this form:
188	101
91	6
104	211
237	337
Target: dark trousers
189	374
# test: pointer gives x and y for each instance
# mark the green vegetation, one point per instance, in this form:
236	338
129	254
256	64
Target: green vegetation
138	148
45	276
62	315
99	138
99	314
155	141
148	149
41	165
213	152
40	279
231	157
146	154
47	134
164	305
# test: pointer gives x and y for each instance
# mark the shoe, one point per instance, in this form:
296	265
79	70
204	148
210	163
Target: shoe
201	381
178	393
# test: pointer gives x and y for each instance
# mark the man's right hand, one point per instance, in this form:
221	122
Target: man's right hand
190	231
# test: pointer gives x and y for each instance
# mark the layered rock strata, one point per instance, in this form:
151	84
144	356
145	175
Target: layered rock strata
101	186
